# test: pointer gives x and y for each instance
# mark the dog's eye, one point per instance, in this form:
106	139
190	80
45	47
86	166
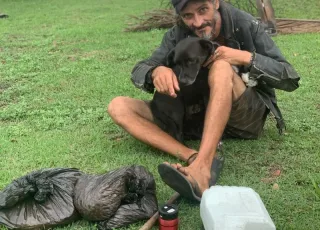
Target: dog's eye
192	61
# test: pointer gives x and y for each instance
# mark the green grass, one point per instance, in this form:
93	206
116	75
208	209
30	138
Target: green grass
61	62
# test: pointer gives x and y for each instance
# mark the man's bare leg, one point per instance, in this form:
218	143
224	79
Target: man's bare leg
225	87
136	118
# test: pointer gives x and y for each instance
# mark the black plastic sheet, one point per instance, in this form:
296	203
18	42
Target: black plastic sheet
41	199
117	198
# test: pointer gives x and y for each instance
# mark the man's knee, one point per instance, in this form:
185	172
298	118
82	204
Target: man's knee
117	108
123	109
221	73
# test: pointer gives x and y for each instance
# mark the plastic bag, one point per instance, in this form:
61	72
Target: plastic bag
117	198
41	199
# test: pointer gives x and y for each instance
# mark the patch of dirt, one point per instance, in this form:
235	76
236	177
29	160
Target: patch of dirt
17	37
115	136
118	137
274	172
91	53
268	180
72	57
87	55
73	42
3	104
4	86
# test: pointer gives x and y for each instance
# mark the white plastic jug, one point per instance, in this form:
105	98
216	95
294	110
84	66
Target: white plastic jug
234	208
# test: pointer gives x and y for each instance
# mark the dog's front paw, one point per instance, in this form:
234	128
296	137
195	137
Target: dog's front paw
249	82
252	83
245	77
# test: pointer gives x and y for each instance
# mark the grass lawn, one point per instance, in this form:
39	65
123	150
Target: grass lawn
62	61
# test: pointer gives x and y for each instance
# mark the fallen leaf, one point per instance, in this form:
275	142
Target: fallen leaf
274	170
275	186
276	173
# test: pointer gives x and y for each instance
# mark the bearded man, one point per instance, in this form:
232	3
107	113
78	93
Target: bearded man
231	110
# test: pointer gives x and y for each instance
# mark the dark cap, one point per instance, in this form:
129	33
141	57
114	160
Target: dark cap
179	4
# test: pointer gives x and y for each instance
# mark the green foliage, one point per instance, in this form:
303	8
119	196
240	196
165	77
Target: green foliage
316	187
62	63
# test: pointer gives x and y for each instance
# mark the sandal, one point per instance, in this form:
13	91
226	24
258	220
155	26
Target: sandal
178	181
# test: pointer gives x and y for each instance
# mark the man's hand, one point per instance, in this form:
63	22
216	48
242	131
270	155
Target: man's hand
232	56
165	81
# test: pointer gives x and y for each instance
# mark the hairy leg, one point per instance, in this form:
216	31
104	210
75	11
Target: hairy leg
136	118
225	87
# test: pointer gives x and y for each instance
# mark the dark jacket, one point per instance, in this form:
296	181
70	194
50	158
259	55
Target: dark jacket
241	31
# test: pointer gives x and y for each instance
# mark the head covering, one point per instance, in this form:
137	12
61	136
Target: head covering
179	4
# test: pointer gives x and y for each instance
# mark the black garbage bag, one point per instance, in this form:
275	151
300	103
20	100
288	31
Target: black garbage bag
42	199
118	198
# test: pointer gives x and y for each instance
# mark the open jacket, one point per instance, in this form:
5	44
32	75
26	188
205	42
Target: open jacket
241	31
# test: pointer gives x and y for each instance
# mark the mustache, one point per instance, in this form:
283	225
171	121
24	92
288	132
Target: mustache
204	25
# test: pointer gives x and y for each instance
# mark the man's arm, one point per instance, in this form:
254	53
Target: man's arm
141	73
269	65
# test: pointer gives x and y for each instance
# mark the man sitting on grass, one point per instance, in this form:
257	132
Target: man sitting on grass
232	109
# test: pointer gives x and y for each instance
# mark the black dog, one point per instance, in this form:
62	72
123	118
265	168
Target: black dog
186	60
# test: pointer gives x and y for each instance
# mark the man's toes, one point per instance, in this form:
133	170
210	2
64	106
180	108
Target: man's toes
183	170
172	165
176	166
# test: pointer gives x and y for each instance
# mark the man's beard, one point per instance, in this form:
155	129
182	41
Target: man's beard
211	24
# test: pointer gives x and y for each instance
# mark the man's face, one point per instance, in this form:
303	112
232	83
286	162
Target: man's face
201	17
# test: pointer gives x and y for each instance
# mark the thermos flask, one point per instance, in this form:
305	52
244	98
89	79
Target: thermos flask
168	217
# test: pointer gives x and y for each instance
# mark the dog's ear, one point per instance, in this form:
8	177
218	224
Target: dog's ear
170	57
209	45
206	44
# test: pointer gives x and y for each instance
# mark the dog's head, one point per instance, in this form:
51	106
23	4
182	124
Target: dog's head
187	58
